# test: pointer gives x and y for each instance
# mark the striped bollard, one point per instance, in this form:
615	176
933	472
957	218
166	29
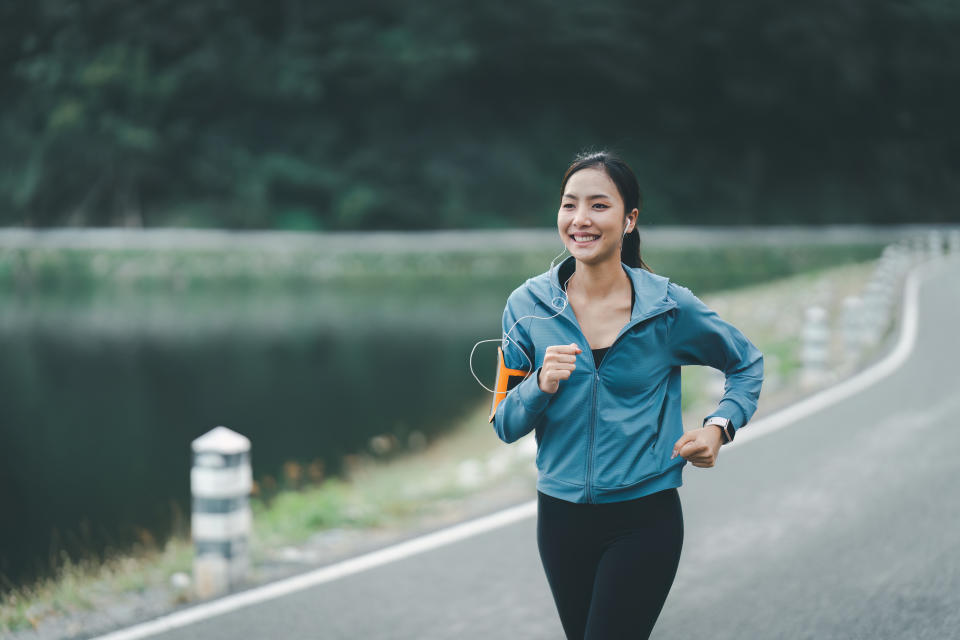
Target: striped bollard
935	244
904	253
220	481
852	326
816	346
876	307
953	241
919	253
897	257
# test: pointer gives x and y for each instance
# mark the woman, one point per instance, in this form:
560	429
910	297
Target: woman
607	338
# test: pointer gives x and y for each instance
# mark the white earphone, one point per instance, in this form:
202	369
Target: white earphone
559	302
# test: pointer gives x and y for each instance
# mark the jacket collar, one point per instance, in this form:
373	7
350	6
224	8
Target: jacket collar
651	292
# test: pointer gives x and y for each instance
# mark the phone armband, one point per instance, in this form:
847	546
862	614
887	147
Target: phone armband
507	379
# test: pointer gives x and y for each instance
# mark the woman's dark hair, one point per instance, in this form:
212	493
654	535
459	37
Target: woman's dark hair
622	176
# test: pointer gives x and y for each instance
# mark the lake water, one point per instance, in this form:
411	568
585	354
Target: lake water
102	396
104	386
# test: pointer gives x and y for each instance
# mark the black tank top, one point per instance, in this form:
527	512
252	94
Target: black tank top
598	355
602	351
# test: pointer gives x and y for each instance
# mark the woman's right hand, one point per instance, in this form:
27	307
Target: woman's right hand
559	361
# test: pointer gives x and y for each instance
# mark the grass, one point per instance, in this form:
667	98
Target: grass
87	271
376	494
81	586
771	316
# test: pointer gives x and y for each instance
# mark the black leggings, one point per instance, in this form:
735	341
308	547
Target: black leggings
611	565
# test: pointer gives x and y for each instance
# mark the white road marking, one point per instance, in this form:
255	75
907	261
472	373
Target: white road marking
864	379
762	427
326	574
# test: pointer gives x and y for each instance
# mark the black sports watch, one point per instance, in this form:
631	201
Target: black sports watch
725	426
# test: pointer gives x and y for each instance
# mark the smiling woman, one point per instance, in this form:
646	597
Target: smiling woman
608	423
601	183
594	223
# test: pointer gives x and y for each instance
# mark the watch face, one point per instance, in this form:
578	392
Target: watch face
724	425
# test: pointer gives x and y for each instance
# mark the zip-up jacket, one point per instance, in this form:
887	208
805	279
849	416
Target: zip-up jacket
608	432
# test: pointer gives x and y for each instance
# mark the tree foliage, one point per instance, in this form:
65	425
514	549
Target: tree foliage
446	114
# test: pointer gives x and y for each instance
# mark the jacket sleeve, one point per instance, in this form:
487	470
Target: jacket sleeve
699	336
522	408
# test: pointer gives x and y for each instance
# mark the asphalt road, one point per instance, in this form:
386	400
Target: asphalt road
846	525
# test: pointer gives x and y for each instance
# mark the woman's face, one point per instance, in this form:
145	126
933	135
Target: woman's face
591	217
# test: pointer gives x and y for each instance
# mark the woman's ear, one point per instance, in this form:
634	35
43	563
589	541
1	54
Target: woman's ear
632	220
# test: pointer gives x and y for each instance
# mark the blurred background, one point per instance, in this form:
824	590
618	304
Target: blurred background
380	115
138	139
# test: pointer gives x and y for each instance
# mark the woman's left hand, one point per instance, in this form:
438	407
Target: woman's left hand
699	446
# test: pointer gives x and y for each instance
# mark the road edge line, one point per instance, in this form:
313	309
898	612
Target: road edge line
860	381
764	426
329	573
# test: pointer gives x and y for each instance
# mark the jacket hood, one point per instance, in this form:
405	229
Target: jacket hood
651	291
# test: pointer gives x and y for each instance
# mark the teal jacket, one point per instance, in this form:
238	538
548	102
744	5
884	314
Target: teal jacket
608	432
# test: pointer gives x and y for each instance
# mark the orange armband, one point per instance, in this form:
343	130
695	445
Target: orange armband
507	379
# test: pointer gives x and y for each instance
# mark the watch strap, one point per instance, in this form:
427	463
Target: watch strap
725	426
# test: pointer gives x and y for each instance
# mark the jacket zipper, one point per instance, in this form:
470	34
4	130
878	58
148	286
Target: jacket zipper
596	391
593	428
596	383
593	415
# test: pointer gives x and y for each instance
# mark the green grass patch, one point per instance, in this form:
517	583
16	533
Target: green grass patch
79	271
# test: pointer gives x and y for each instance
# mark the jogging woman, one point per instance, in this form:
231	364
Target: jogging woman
598	342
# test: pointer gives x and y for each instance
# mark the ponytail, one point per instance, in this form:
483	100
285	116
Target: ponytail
630	251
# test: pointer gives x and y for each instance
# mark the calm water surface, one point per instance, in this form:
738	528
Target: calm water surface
102	395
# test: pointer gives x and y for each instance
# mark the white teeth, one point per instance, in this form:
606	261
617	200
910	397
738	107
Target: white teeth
584	238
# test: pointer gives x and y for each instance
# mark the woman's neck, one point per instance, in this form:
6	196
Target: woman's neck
598	281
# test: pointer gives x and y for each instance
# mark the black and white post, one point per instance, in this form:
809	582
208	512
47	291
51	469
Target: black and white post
815	353
220	480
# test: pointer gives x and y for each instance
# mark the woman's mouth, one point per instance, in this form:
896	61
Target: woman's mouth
584	238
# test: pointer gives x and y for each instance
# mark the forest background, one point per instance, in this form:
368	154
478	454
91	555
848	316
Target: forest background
446	114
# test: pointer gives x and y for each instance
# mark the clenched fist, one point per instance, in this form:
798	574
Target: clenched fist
700	447
559	361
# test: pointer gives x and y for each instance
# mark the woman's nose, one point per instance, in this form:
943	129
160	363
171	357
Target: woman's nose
580	215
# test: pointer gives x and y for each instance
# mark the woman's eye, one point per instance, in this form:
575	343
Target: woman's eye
601	205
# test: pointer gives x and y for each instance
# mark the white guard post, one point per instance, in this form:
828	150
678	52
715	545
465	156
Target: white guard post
220	481
816	348
953	241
